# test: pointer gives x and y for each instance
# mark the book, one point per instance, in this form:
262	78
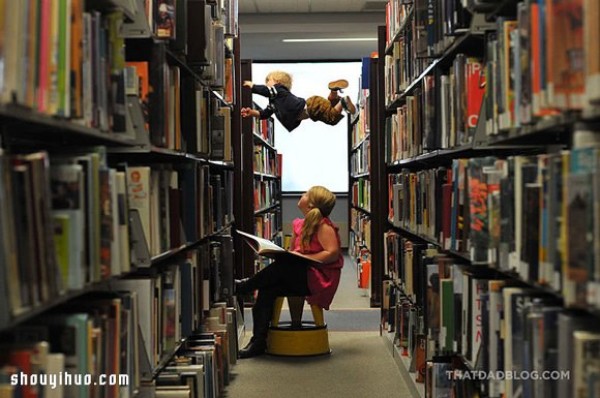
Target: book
591	37
267	248
585	365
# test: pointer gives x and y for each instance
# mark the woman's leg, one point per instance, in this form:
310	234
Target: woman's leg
275	280
291	275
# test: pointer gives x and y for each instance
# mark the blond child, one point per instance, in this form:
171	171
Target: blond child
291	110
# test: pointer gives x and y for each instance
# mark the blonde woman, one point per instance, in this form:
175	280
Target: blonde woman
291	110
314	236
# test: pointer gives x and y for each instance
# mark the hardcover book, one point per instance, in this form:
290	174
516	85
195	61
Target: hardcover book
267	248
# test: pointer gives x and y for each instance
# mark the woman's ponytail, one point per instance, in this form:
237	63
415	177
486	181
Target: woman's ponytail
322	202
311	223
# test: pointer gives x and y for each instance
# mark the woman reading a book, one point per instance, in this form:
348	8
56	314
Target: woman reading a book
291	110
316	237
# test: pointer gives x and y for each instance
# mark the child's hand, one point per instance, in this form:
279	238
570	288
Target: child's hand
246	112
248	83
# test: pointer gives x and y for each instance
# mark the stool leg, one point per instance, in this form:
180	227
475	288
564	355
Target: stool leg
276	311
317	315
296	305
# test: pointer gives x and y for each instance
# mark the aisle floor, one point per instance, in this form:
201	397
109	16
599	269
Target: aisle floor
360	364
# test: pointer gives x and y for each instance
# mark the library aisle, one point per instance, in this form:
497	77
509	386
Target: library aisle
359	366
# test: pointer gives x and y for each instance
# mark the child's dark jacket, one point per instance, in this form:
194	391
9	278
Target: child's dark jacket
286	106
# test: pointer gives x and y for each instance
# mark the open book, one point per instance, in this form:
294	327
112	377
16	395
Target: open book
267	248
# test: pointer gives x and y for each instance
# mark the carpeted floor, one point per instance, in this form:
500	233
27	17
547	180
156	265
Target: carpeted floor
343	320
360	364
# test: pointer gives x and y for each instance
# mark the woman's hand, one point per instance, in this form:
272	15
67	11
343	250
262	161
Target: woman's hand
248	83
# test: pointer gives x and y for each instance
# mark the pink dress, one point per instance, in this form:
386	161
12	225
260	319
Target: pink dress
323	279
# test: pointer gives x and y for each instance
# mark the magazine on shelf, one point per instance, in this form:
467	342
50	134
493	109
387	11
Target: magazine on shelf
265	247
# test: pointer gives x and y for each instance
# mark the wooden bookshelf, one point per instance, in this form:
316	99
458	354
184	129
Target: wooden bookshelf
360	165
261	181
448	211
118	204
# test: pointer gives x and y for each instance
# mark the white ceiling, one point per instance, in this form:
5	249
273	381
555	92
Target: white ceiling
302	6
265	23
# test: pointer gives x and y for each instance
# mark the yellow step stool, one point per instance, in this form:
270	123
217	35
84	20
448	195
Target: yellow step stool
297	338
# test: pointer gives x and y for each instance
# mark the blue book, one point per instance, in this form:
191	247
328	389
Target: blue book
366	67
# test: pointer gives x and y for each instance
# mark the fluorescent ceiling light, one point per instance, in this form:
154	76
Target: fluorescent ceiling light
330	39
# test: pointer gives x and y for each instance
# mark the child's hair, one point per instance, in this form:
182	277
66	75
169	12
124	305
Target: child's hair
322	201
280	77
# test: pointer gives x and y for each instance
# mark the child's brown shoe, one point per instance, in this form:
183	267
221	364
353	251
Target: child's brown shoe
338	85
348	105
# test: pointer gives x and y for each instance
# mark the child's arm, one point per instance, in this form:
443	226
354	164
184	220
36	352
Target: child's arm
331	248
259	89
263	114
249	112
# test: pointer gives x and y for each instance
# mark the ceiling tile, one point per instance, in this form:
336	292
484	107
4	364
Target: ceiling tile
303	6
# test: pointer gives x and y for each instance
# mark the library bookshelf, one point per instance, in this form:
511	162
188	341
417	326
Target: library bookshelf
117	168
262	214
488	154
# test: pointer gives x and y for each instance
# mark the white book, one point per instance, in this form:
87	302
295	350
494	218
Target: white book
147	316
267	248
55	365
138	188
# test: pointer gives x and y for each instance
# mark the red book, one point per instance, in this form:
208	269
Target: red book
76	58
475	90
22	360
279	164
141	68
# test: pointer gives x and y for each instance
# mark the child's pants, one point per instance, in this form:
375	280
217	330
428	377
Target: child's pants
321	109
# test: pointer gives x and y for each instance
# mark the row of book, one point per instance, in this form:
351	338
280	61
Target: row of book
360	193
427	28
442	112
268	224
491	323
360	158
524	214
402	67
200	34
56	68
360	229
66	218
544	61
168	18
414	202
56	61
266	193
404	322
267	161
361	129
124	331
538	65
179	113
264	128
433	20
202	367
359	242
